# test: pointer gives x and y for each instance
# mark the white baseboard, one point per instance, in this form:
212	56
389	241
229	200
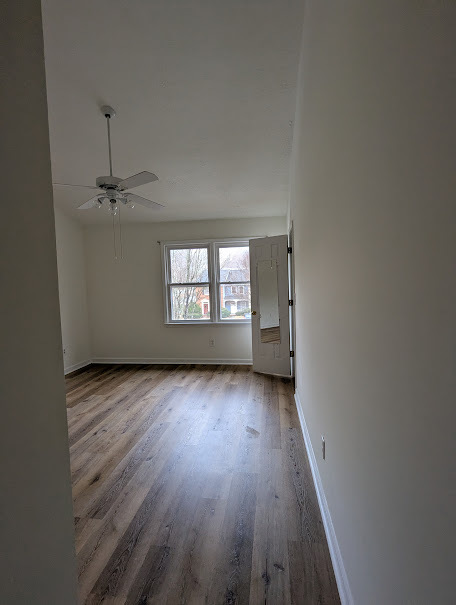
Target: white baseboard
172	361
345	593
77	366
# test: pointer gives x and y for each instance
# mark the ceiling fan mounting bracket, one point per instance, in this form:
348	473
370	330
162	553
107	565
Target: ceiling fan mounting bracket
108	111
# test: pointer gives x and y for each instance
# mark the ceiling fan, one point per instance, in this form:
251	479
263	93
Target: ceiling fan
114	190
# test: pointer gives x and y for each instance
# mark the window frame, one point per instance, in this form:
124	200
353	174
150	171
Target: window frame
213	257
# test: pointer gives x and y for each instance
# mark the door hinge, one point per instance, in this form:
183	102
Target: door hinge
290	303
291	353
289	249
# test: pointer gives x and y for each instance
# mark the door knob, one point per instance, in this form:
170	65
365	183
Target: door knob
253	312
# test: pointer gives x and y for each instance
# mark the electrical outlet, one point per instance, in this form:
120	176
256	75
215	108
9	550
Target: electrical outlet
323	447
64	351
212	342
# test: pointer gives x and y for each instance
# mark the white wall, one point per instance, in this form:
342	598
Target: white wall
126	296
36	529
72	291
374	211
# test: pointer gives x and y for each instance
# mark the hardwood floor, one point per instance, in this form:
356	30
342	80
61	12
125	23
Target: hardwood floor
191	485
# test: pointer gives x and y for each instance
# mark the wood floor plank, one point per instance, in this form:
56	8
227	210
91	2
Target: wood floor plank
128	393
78	377
108	378
95	496
195	557
306	519
231	578
134	544
270	581
191	486
180	531
271	416
97	551
311	576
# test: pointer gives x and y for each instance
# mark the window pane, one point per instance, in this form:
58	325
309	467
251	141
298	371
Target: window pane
189	265
235	304
234	264
189	303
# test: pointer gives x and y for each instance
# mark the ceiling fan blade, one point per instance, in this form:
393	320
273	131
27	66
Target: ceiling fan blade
142	178
89	204
137	199
68	185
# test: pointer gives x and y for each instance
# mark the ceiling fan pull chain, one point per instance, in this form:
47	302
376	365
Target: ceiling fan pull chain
120	233
114	236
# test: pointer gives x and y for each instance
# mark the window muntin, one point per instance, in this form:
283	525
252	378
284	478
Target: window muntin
207	282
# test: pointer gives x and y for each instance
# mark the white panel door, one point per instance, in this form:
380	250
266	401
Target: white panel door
270	318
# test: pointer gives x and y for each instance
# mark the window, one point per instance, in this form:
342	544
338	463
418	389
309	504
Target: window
207	282
233	267
188	282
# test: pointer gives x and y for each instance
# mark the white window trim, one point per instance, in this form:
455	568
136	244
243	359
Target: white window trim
213	246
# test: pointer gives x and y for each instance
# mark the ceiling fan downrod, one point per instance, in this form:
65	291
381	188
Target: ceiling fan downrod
109	113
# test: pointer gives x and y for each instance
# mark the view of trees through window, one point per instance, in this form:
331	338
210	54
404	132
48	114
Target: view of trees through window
189	266
189	283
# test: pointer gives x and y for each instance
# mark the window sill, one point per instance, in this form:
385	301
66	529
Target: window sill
212	324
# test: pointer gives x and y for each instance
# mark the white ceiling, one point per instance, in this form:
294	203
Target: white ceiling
204	92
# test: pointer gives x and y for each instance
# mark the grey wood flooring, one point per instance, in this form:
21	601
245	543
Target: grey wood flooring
191	485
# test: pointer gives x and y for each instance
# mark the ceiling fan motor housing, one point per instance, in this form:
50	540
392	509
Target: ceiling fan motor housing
108	182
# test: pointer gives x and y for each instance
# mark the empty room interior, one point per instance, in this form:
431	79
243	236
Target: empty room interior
228	279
